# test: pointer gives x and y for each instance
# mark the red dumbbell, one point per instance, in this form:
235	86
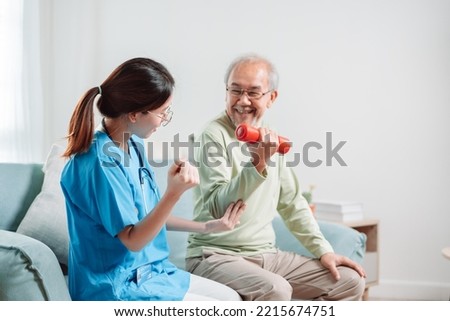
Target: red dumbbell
247	133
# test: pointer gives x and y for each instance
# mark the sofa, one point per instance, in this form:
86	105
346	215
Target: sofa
34	239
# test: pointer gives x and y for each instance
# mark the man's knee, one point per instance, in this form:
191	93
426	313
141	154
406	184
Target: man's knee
275	289
355	284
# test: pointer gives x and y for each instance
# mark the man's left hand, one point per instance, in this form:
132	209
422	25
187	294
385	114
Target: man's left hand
332	260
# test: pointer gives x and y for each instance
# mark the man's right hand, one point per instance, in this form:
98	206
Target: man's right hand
263	150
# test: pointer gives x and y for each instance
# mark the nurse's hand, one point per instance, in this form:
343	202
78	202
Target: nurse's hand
228	221
181	177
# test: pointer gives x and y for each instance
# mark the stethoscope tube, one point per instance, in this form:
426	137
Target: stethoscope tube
142	171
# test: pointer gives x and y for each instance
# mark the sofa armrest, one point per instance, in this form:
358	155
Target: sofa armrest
344	240
29	270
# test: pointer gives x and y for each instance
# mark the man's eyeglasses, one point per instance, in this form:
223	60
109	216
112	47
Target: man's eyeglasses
165	116
251	94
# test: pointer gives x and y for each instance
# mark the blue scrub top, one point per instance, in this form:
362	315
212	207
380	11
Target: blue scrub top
103	195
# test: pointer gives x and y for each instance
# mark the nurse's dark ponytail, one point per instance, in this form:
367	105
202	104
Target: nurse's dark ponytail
139	84
81	126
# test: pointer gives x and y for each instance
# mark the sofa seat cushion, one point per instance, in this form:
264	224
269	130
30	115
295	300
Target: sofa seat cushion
33	271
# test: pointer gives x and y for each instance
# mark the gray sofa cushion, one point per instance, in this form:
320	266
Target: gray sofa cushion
33	271
46	218
20	183
345	240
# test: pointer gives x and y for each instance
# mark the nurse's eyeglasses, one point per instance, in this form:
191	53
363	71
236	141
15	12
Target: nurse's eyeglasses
166	116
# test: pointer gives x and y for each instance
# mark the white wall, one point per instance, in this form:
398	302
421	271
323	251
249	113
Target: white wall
374	73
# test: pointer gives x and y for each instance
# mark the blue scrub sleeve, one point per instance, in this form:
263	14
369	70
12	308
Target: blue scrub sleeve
115	195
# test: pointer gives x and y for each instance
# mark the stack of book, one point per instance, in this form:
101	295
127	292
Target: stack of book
339	211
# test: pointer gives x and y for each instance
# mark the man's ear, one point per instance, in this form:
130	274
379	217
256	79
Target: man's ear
273	97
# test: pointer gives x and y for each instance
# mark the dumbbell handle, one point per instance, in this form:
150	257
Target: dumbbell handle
247	133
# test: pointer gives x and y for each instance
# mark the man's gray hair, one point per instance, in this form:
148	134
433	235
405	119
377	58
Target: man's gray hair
252	58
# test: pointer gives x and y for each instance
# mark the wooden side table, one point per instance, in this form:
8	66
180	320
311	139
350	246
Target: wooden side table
371	262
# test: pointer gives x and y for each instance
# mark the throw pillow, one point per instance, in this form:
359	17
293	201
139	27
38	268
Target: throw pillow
46	218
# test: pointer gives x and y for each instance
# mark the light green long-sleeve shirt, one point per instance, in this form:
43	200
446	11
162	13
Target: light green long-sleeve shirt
226	175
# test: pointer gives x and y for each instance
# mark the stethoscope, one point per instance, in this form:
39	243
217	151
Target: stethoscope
142	171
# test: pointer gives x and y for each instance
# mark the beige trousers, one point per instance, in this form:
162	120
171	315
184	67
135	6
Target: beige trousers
278	276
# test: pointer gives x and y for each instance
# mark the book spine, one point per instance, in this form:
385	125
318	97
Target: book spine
340	217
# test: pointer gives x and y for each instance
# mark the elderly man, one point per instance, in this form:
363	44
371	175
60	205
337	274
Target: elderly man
246	258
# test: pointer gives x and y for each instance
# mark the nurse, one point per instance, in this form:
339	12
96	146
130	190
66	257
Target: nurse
117	218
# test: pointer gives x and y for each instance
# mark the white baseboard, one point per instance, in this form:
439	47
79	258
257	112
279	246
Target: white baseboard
410	290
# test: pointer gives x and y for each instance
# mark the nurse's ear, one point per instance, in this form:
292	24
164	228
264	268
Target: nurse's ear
132	117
